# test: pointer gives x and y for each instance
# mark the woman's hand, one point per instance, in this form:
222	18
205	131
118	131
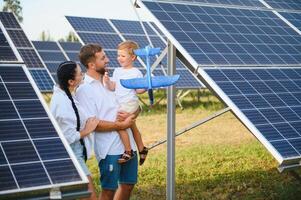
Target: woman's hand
89	127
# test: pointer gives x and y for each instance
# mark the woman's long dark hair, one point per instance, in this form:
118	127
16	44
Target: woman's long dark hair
65	72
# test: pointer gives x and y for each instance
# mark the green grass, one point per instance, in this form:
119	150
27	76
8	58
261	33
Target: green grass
216	172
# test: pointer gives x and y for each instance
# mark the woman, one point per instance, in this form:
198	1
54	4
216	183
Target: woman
69	115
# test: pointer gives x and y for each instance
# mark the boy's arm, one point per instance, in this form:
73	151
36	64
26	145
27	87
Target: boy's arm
106	126
140	91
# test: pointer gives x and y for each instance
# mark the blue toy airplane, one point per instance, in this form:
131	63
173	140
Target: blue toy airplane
149	82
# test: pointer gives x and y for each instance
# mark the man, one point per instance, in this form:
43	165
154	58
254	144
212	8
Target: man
100	102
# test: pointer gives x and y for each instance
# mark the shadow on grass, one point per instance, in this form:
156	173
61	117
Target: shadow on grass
262	184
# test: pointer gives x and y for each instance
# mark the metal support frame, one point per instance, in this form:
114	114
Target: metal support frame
192	126
180	95
170	181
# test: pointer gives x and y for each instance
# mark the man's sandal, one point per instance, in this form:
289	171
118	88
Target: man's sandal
126	156
143	155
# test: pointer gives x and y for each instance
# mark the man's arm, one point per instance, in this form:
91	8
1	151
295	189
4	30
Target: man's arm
106	126
121	116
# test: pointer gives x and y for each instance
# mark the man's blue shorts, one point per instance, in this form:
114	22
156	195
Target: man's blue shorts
112	173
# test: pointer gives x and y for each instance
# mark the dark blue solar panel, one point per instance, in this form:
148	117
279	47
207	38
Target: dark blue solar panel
107	41
28	139
48	56
284	4
46	45
249	3
229	36
8	20
23	46
73	56
132	27
71	46
273	111
31	58
90	24
6	53
42	79
294	18
19	38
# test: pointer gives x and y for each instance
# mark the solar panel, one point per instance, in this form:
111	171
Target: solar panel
51	55
230	36
90	24
244	3
28	164
25	48
247	58
294	18
284	4
42	78
8	20
108	41
6	52
71	46
271	100
132	27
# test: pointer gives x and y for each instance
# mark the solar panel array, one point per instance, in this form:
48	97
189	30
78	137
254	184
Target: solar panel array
284	4
53	53
33	157
27	52
112	32
250	58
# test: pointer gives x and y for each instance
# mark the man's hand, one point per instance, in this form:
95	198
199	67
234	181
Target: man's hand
127	123
121	116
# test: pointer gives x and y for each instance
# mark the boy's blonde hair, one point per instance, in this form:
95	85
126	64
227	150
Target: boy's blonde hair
129	45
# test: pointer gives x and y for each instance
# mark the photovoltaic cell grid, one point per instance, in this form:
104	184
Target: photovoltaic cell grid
293	18
248	3
71	49
6	52
270	99
25	49
266	99
51	54
28	139
229	36
285	4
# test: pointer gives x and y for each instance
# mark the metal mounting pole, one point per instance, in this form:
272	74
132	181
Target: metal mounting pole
171	128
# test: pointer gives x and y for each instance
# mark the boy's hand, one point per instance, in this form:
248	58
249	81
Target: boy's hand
106	78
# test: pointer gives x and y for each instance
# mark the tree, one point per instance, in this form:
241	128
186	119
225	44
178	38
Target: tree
71	37
45	36
15	7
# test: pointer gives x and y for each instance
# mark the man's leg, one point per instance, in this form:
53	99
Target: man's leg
109	175
107	195
124	192
128	179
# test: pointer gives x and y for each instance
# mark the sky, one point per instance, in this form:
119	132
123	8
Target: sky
48	15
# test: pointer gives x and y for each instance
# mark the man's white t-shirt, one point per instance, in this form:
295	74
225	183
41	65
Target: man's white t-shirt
123	94
98	101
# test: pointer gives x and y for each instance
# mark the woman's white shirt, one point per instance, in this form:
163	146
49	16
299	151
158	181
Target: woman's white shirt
62	110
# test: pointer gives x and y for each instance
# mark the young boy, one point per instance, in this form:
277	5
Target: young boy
127	98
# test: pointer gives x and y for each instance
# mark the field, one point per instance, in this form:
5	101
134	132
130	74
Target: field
218	160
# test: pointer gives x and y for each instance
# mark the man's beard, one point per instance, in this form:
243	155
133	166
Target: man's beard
101	71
